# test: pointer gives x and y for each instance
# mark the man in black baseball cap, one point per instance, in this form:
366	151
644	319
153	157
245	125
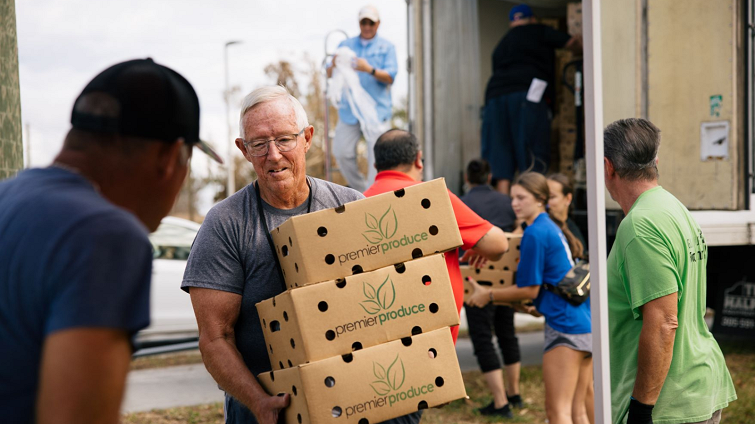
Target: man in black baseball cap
75	260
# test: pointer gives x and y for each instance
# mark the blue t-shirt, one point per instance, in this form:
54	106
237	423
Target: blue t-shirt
545	257
380	54
68	258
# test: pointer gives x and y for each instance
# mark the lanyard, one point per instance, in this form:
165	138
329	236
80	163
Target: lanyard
261	213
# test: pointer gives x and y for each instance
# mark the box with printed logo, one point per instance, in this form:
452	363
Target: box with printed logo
494	278
372	385
510	260
367	234
336	317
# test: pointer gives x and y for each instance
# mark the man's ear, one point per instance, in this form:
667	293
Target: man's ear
308	134
610	171
240	145
418	161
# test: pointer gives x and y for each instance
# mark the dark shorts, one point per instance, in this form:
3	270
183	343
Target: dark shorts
516	135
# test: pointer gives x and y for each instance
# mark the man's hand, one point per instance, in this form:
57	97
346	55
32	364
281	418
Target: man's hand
82	376
362	65
481	295
267	409
474	259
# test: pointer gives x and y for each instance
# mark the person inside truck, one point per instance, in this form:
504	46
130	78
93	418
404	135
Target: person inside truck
547	253
516	118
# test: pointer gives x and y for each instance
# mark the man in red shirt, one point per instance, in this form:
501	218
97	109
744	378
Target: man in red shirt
398	161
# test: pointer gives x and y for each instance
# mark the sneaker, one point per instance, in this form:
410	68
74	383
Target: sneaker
486	410
515	401
504	411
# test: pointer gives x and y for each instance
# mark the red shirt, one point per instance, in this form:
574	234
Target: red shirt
471	227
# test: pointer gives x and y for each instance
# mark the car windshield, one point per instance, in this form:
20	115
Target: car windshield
172	241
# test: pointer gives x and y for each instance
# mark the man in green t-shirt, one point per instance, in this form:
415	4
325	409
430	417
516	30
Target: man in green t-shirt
666	367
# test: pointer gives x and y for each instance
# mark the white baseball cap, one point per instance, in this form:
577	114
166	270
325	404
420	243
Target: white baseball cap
369	12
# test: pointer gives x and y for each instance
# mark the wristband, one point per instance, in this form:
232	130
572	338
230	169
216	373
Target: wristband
373	72
639	413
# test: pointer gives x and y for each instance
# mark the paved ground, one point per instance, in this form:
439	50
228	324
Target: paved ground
191	384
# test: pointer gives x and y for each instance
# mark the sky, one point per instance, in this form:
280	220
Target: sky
63	45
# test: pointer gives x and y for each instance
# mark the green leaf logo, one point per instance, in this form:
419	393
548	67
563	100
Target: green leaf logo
385	228
386	294
387	380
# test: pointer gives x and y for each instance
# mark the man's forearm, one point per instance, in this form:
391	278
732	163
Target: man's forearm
654	357
383	76
227	367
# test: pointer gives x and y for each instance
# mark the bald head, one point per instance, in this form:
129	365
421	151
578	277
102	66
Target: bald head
395	150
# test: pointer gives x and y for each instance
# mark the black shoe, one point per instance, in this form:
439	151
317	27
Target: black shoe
504	411
486	410
515	401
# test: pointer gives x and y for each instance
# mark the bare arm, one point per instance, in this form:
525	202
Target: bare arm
659	324
493	244
216	313
363	66
82	376
481	296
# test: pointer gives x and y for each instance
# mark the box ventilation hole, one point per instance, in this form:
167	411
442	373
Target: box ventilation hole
466	291
439	382
517	247
290	242
329	259
330	382
426	203
298	418
275	326
502	282
341	283
491	267
341	209
426	280
330	335
284	272
364	421
290	364
284	249
433	308
264	324
336	411
274	301
357	269
505	268
356	346
406	341
271	348
322	306
293	344
272	375
322	231
296	266
477	271
400	192
416	330
285	316
281	364
347	357
421	405
433	230
432	353
400	268
416	253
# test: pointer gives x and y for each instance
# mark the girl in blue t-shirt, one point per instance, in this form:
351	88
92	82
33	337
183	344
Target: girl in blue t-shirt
548	250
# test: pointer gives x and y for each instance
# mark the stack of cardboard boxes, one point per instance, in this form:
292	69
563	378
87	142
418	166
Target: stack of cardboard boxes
498	274
566	106
362	335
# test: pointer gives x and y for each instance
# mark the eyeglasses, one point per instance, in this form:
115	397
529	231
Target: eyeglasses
284	143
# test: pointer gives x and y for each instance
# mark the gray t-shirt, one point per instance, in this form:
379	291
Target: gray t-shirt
231	253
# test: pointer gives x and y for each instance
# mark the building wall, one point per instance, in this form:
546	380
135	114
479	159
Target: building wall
11	144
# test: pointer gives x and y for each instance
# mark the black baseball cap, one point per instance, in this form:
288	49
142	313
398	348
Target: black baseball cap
151	101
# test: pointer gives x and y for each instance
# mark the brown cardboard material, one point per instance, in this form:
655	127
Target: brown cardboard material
510	260
367	234
485	277
333	318
372	385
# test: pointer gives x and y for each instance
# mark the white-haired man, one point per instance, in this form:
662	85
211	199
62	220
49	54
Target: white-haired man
377	66
232	264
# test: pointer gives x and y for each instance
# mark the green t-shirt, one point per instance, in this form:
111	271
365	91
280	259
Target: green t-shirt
660	250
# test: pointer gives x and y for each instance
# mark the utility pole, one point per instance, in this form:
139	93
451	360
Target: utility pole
231	168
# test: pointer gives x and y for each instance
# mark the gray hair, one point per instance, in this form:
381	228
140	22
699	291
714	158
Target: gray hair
632	147
268	94
395	148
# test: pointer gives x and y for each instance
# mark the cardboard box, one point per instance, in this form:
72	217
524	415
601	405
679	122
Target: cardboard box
336	317
372	385
510	260
574	18
486	277
367	234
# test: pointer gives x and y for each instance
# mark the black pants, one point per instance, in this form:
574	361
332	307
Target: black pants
482	322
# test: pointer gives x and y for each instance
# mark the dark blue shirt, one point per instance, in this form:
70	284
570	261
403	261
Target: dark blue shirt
492	206
545	258
68	259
